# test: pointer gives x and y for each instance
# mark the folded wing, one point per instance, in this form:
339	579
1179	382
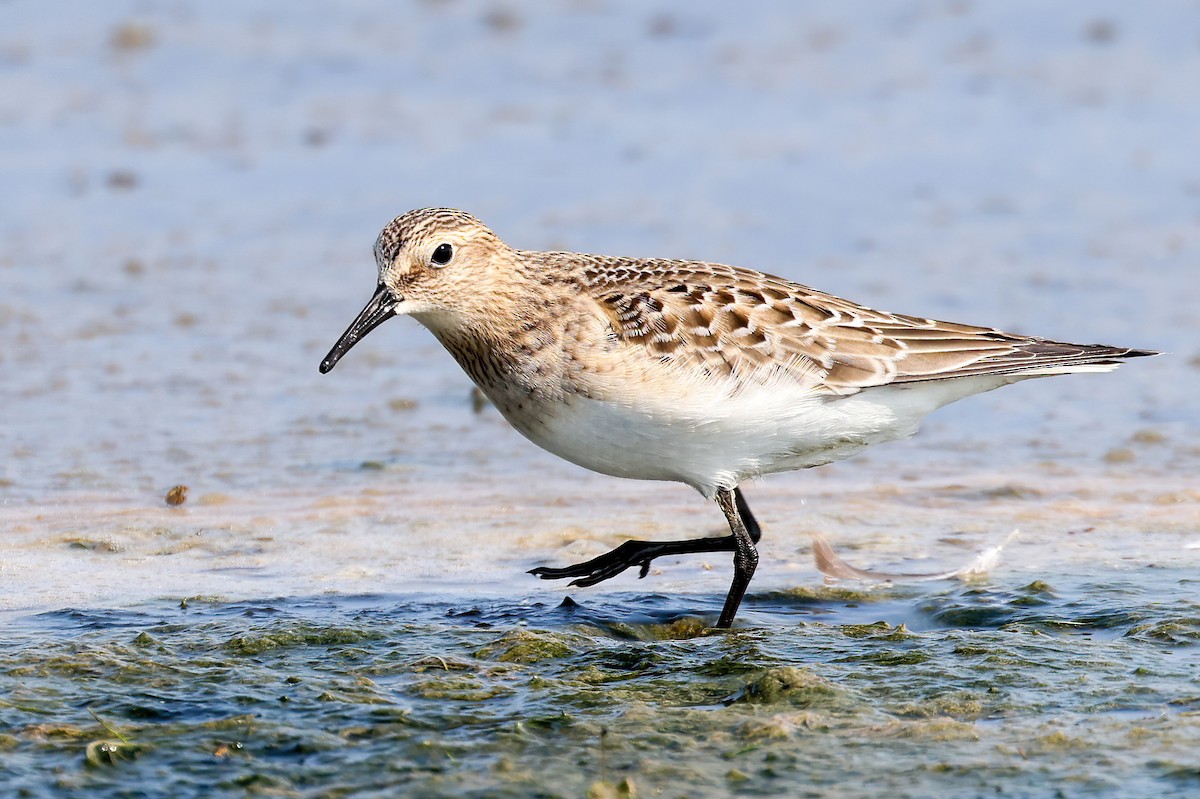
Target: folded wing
745	325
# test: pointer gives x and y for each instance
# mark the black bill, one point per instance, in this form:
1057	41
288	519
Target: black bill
381	308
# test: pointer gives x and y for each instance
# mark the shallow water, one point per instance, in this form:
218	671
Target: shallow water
190	194
1030	690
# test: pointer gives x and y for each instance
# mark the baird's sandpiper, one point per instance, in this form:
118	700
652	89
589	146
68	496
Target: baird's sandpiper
688	371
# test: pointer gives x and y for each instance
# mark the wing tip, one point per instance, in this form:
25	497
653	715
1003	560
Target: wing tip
1044	357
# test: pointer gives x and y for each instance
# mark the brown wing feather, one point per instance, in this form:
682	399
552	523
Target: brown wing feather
737	322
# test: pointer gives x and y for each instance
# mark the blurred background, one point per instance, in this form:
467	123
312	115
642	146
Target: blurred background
189	194
191	191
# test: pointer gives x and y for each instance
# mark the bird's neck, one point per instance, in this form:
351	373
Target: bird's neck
509	343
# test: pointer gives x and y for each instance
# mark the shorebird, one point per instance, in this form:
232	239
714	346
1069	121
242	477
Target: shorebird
687	371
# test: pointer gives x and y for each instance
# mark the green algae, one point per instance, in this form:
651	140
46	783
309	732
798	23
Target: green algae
1180	631
960	705
259	643
835	593
333	699
108	752
787	684
681	629
935	729
879	631
888	657
111	751
459	689
525	646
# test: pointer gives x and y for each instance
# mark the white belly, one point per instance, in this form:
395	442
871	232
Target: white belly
713	440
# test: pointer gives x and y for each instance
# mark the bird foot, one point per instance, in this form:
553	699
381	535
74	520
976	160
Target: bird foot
610	564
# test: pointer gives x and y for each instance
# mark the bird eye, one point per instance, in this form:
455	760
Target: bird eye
442	254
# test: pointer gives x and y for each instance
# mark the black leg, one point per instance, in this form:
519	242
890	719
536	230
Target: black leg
747	517
629	554
745	535
640	553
